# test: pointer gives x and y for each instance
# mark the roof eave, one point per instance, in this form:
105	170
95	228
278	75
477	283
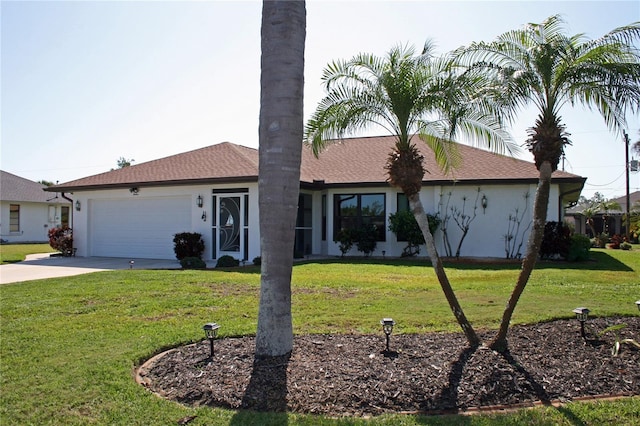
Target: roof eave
148	184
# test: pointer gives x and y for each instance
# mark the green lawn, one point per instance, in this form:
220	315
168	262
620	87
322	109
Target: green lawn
11	253
69	345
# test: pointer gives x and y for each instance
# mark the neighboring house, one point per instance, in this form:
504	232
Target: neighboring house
613	218
135	211
27	212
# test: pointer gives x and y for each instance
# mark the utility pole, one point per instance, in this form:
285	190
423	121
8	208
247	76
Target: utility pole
627	165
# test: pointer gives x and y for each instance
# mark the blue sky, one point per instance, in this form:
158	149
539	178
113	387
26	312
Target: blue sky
84	83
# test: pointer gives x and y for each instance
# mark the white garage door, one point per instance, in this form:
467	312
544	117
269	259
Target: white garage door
138	227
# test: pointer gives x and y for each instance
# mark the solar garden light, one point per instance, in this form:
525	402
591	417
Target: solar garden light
638	304
131	262
211	330
387	327
581	314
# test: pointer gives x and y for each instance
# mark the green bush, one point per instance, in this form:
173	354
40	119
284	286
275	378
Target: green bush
188	244
227	261
345	239
257	260
625	246
192	263
579	248
367	237
404	225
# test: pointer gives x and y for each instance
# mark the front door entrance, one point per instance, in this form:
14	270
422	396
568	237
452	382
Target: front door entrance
229	225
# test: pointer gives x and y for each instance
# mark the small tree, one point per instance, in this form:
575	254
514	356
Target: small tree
556	241
345	238
367	236
404	225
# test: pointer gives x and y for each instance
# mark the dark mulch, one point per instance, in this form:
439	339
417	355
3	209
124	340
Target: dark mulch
348	375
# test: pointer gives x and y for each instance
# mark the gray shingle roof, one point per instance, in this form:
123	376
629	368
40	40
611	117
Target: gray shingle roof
353	161
18	189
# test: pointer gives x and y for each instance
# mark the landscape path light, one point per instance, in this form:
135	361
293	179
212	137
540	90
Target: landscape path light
582	314
211	330
387	328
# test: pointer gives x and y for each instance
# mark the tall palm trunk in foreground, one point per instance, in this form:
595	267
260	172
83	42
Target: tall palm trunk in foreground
280	132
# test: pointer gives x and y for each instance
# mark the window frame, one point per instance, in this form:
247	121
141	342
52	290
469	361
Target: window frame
358	219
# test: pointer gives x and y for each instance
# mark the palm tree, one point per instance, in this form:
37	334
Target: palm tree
541	65
406	94
588	213
280	132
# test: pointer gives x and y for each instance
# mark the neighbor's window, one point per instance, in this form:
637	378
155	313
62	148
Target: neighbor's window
352	211
64	216
14	218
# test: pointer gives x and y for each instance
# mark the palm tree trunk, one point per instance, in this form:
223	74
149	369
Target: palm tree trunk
540	206
418	212
280	133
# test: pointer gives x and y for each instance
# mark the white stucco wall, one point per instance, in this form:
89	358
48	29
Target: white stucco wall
486	232
35	221
485	237
83	219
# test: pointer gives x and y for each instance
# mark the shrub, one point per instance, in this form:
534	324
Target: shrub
625	246
345	239
404	225
579	248
188	244
257	261
556	241
601	240
367	237
227	261
615	242
61	239
192	263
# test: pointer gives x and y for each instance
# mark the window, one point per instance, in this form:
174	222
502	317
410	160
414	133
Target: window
352	211
64	216
303	226
14	218
402	203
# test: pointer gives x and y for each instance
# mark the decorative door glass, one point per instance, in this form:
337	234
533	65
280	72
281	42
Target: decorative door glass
229	224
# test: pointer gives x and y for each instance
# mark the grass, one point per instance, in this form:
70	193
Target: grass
69	345
12	253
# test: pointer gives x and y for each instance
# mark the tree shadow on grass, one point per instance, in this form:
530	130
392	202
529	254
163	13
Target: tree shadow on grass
266	392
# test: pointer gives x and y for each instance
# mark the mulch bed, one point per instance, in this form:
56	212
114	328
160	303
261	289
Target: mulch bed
350	375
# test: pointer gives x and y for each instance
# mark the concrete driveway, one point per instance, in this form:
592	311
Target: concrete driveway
40	266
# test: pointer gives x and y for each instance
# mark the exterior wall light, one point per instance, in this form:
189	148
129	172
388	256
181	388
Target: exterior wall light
582	314
484	203
78	205
199	201
387	328
134	191
204	216
211	331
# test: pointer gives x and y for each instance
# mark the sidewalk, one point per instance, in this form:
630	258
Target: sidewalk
41	266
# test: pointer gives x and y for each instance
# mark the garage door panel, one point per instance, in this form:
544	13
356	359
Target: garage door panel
139	227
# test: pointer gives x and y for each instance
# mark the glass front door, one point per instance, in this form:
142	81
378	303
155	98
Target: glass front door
230	226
